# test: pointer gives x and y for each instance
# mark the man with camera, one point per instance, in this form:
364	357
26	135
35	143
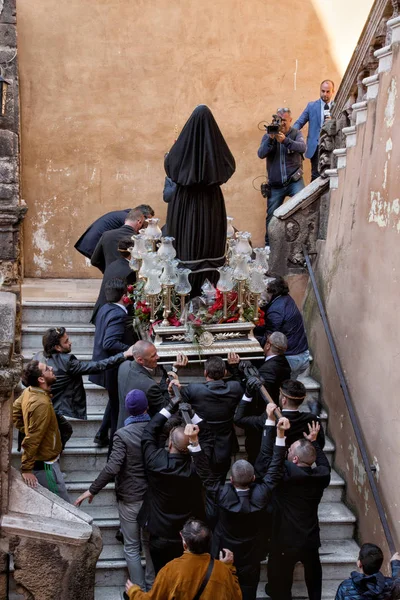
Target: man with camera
283	147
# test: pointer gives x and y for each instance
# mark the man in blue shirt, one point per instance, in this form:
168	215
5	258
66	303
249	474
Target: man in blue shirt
316	113
284	154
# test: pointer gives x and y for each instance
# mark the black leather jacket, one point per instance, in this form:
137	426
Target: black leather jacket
68	393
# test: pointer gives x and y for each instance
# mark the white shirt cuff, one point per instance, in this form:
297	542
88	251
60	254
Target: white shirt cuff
246	398
280	441
165	413
194	448
270	422
196	419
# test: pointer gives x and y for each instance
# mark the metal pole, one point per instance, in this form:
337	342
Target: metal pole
350	407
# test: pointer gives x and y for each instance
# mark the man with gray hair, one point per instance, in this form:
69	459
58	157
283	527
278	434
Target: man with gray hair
139	374
238	507
284	153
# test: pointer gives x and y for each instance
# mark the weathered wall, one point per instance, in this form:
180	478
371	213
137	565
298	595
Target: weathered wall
358	272
106	86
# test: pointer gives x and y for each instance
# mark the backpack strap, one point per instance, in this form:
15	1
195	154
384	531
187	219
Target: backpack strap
205	580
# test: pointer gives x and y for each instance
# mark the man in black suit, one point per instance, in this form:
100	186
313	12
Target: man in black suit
273	371
110	338
238	508
118	268
111	220
174	491
139	375
295	535
106	250
215	401
292	394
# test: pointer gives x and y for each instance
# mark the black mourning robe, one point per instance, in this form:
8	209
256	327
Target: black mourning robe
199	163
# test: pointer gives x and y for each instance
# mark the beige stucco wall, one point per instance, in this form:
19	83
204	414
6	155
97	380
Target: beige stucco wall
359	274
107	84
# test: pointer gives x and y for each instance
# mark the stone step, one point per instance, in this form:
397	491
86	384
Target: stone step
337	558
56	313
79	481
81	336
81	453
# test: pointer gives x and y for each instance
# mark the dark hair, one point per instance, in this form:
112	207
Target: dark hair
31	374
294	390
278	287
51	339
134	215
125	244
146	210
114	289
328	81
371	558
215	367
197	536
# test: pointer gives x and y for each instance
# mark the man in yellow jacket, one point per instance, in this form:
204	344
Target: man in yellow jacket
34	416
194	574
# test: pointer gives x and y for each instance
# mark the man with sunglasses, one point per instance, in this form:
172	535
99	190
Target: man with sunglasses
284	153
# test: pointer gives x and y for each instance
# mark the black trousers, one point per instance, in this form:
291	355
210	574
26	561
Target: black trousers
280	573
314	164
110	418
163	550
249	576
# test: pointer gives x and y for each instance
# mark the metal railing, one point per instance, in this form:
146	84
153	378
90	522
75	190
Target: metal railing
350	407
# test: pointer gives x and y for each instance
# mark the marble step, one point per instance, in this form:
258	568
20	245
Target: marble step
56	313
79	481
81	336
82	453
337	558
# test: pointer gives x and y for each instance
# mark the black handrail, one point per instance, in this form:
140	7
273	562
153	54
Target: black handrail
350	407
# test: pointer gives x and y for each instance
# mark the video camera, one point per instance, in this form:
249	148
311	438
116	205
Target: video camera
274	127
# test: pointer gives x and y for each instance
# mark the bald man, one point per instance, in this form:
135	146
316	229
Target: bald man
174	491
139	374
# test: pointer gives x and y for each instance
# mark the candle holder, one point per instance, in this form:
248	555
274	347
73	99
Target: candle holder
167	292
183	287
153	232
225	284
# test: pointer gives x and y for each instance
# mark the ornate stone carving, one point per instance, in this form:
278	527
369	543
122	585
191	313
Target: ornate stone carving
326	146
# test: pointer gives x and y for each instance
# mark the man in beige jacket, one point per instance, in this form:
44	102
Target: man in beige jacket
34	416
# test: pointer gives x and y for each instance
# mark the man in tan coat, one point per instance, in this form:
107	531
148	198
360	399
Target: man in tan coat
194	574
34	416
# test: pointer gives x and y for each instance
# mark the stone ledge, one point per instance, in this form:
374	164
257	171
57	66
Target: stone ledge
384	55
302	199
372	85
394	25
42	528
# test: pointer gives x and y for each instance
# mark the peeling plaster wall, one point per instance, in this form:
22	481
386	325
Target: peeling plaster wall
358	272
107	85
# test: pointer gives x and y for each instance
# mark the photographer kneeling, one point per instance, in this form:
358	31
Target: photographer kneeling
284	153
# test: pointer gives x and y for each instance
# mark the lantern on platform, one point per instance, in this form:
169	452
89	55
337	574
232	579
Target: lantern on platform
225	284
183	287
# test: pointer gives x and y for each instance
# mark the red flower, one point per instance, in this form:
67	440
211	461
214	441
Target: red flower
174	321
233	319
129	289
126	300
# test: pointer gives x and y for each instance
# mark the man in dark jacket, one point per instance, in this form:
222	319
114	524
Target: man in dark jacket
282	314
126	466
106	250
215	401
238	508
370	584
68	392
295	536
292	395
174	490
284	153
118	268
111	337
273	371
111	220
139	374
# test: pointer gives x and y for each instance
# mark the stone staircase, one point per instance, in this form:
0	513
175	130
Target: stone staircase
82	461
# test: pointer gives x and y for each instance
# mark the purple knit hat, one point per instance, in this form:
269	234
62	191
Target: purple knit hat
136	402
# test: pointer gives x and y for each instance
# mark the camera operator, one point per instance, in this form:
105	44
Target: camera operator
284	153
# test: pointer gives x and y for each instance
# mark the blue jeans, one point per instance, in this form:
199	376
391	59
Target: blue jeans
298	363
277	197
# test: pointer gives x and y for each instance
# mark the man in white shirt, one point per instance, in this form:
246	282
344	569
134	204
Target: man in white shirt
316	113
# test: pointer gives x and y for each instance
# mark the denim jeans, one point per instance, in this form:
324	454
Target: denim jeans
277	197
298	363
133	535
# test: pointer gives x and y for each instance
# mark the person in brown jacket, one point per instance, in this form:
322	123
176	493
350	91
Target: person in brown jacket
194	574
34	416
